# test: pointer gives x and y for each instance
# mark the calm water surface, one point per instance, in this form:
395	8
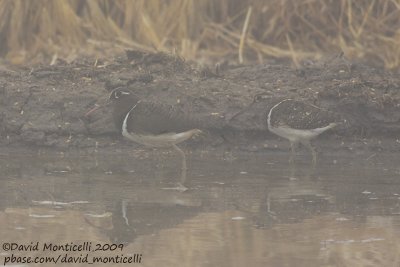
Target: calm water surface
242	209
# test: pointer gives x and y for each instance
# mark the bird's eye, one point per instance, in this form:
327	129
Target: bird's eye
117	94
260	97
257	98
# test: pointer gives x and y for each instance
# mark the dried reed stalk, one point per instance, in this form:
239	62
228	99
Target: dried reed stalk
43	30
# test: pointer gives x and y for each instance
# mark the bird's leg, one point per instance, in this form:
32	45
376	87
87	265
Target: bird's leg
158	157
293	152
182	155
312	150
184	168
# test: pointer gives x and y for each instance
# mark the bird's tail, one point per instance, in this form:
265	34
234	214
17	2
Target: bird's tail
323	129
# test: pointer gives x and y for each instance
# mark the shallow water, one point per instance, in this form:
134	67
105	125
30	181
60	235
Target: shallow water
242	209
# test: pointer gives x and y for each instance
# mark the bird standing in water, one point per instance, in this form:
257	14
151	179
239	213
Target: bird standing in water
299	122
152	124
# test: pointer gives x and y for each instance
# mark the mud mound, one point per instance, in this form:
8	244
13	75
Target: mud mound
46	105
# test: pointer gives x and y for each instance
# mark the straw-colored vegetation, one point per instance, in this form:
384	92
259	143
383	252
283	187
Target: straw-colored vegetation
240	30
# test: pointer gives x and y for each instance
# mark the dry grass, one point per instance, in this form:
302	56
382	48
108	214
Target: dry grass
44	30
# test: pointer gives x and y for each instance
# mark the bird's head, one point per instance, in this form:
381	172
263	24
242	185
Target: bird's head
122	100
121	94
261	97
120	97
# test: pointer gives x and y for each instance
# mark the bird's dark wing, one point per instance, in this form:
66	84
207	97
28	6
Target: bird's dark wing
300	115
156	118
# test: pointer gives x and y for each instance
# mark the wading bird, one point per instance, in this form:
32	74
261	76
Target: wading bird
151	124
299	122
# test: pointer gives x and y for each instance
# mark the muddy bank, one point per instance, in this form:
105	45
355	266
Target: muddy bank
45	105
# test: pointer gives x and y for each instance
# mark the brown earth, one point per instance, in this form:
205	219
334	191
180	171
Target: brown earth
45	105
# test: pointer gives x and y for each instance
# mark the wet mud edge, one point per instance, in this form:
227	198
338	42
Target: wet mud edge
44	106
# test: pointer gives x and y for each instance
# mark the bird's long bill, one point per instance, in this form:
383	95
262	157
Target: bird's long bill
103	102
96	107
